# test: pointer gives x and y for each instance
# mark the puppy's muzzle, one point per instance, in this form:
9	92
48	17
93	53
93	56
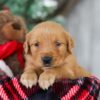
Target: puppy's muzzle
47	60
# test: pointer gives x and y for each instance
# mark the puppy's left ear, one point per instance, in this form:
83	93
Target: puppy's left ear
26	44
70	43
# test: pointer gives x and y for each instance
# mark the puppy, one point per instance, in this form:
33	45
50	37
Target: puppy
49	57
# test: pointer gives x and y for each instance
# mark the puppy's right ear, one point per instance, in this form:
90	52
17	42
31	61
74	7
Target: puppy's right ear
26	44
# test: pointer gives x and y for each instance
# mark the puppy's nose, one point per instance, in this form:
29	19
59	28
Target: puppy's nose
46	60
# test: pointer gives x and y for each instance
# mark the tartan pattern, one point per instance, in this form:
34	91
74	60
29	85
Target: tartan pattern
86	88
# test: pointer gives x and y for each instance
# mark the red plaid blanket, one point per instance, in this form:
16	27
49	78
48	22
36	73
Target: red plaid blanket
79	89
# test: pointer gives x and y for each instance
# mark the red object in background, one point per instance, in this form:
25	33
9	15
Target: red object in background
10	48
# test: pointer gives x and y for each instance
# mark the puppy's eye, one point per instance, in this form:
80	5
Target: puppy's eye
36	44
58	44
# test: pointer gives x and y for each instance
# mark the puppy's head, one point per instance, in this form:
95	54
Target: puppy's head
48	44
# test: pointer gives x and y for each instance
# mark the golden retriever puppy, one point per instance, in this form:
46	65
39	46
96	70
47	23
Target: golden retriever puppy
49	57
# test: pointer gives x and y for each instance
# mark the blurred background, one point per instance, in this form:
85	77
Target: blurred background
80	17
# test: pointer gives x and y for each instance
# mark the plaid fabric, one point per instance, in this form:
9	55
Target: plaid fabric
79	89
2	75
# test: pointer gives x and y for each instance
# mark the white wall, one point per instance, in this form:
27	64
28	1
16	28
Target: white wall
84	25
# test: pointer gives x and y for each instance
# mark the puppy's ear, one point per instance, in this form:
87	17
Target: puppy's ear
26	44
70	43
26	47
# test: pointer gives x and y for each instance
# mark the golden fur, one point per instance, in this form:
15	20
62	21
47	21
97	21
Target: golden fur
49	39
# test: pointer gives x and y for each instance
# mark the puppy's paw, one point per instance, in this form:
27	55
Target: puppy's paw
28	79
46	80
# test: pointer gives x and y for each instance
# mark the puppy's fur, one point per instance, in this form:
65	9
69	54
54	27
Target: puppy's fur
49	39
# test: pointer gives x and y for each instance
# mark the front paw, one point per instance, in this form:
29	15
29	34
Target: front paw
28	79
46	80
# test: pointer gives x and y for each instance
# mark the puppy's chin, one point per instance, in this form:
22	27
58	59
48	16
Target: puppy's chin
47	66
51	66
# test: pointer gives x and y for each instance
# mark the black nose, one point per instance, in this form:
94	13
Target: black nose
46	60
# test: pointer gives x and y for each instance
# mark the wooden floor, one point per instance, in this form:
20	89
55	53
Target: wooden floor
84	25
